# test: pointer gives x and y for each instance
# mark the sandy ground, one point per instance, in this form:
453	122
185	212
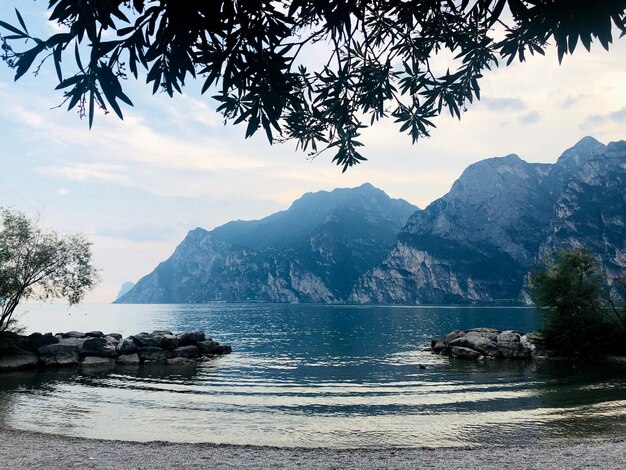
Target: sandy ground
28	450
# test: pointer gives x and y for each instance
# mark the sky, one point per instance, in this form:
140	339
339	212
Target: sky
135	188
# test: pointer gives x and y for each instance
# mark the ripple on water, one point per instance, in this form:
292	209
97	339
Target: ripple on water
323	376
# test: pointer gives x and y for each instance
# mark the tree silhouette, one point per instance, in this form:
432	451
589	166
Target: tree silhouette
254	56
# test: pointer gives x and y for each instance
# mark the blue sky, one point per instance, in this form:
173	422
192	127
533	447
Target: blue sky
136	187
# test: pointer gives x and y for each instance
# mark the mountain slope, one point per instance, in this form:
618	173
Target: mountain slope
479	241
312	252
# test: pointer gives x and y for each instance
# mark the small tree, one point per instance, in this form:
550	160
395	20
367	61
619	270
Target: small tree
571	296
40	264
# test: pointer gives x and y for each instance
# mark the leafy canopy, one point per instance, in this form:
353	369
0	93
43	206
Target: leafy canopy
571	294
377	56
39	264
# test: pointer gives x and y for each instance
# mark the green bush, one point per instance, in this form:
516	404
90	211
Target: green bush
576	315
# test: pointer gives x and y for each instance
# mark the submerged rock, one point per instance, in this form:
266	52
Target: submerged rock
128	359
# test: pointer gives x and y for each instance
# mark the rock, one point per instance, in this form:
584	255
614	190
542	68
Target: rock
169	342
36	340
73	341
180	361
146	339
152	353
464	353
209	347
438	346
452	336
483	346
97	361
112	340
484	330
117	336
191	338
94	334
18	362
98	347
127	346
225	349
72	334
510	345
490	335
128	359
162	332
58	355
187	351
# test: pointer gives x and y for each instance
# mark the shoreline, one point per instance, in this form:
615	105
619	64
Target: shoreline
57	451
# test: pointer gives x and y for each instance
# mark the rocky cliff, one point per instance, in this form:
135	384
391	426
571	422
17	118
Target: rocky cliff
479	241
313	252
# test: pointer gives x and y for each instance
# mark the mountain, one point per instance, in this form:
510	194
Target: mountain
479	242
127	286
312	252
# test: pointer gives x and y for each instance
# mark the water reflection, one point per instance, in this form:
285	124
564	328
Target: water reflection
324	376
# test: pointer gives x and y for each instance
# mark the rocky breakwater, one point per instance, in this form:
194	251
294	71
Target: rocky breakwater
93	348
489	343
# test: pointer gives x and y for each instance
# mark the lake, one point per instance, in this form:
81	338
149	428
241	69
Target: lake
314	375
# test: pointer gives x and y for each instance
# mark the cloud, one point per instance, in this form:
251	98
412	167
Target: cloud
572	100
140	233
529	118
501	104
63	191
618	117
88	172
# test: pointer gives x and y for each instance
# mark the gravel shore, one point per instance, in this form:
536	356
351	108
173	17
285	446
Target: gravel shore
29	450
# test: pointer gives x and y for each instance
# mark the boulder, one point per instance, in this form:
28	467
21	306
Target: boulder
147	339
98	347
128	359
209	347
484	330
452	336
483	346
127	346
191	338
162	332
464	353
117	336
94	334
438	346
21	361
58	355
73	341
97	361
490	335
112	340
152	353
510	345
36	340
169	342
187	351
72	334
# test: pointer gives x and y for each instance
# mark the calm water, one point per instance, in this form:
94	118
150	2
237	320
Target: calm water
315	376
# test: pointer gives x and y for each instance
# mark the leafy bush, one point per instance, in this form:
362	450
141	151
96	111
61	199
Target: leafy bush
576	315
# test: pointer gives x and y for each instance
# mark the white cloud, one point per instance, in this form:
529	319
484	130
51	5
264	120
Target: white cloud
88	172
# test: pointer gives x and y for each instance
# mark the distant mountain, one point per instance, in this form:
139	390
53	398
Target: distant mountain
127	286
479	241
314	251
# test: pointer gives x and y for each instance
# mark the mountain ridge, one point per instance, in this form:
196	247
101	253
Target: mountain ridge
312	251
